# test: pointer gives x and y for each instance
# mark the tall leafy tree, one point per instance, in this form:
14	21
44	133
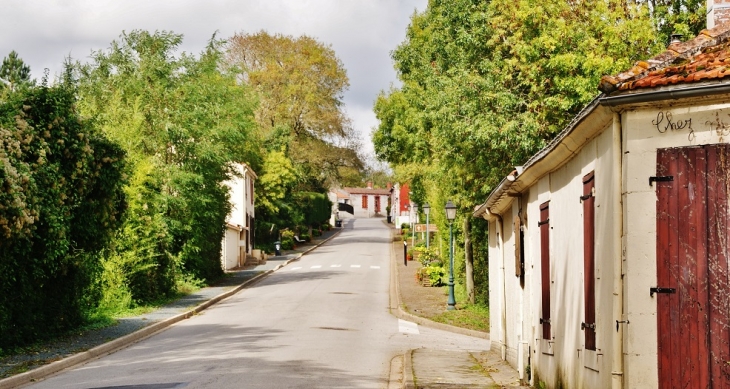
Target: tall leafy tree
14	72
487	84
684	17
300	83
183	123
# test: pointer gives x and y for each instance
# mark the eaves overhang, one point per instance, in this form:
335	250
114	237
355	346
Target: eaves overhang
581	130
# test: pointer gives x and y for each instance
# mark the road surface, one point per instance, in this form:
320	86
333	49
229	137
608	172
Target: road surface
320	322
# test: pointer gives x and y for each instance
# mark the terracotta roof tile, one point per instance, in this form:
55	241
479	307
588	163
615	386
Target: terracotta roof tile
706	57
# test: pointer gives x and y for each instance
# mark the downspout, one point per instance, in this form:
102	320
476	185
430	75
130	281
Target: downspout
500	230
617	362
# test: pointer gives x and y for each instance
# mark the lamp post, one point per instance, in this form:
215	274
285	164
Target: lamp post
414	215
450	216
427	210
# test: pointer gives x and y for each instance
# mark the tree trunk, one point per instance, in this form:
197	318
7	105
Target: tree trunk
469	260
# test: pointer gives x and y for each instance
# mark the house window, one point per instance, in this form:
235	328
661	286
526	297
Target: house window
544	225
377	203
364	202
589	261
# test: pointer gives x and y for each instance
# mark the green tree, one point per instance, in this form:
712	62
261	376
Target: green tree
183	123
486	84
684	17
299	82
14	72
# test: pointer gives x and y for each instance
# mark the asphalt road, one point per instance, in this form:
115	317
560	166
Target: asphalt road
320	322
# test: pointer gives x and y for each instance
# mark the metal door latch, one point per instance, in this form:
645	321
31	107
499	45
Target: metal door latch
583	326
654	179
620	322
661	290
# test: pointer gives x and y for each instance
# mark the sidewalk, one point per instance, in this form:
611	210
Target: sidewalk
89	345
439	369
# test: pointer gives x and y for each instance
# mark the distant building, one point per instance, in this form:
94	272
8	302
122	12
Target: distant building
239	236
367	202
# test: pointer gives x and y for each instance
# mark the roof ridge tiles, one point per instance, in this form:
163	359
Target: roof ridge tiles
683	52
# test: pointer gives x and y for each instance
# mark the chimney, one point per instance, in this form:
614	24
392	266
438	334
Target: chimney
718	12
370	185
389	186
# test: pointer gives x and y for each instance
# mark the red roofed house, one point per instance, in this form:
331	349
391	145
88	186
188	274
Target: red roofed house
610	248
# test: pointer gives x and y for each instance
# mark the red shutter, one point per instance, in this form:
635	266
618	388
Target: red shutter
589	261
364	201
517	226
544	225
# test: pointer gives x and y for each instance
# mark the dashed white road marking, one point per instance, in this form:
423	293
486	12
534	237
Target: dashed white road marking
334	266
407	327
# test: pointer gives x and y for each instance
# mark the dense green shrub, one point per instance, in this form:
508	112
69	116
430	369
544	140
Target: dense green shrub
60	202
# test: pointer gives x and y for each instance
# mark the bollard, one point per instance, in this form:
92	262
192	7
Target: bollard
405	253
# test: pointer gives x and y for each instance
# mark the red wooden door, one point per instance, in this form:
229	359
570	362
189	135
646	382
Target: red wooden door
692	277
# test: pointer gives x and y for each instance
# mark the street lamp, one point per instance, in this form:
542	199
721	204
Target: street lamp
450	216
414	215
427	210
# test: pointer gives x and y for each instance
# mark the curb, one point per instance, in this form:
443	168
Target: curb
141	334
396	309
408	381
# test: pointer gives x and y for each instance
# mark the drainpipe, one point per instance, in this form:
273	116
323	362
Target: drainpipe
500	230
617	360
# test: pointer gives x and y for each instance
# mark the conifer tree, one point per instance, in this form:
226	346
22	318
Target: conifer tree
14	71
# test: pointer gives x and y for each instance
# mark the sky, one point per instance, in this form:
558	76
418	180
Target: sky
362	33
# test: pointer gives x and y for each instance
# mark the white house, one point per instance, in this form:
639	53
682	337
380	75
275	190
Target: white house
608	249
368	202
238	239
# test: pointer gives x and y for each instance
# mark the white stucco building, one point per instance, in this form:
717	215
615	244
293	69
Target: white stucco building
238	239
608	258
369	201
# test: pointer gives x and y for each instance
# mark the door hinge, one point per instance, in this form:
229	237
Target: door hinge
544	321
654	179
583	326
661	290
546	221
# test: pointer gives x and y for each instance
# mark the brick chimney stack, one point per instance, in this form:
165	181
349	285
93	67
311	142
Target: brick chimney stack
370	185
718	12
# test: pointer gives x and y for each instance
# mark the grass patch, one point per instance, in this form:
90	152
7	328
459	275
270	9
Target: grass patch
473	317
